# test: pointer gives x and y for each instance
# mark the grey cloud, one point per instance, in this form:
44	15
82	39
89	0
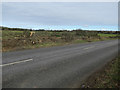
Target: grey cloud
61	13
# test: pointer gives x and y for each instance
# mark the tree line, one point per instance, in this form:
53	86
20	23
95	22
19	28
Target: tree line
79	31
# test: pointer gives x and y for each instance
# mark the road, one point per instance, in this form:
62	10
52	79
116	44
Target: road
55	67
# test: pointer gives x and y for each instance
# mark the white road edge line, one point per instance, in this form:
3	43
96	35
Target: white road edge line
17	62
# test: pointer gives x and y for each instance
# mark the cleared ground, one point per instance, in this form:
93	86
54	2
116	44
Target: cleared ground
17	40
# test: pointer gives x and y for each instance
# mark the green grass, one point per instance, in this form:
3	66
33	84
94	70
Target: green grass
107	35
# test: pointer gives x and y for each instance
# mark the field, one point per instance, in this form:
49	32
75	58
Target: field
26	39
107	35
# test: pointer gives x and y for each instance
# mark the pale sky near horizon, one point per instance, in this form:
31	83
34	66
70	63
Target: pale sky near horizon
61	15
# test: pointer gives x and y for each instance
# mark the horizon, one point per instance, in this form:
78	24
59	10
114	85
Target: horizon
61	15
56	29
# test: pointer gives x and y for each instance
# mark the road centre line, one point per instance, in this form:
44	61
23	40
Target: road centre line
21	61
89	47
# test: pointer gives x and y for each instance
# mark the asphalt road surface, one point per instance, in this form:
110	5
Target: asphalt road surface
55	67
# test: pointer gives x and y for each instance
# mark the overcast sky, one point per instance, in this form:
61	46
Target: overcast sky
61	15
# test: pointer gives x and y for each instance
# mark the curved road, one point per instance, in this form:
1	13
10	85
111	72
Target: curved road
55	67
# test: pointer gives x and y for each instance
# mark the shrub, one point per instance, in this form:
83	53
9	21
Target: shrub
26	33
67	36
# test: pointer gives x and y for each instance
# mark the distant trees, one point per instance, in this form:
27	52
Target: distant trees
79	32
16	29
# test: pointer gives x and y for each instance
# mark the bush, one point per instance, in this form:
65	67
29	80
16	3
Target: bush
67	36
56	34
26	33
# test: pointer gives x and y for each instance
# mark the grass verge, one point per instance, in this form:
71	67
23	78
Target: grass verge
107	77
